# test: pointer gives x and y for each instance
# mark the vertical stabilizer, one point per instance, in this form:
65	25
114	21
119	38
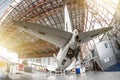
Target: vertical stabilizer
68	24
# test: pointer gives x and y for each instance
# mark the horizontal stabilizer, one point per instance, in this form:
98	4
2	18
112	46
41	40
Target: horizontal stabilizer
86	36
52	35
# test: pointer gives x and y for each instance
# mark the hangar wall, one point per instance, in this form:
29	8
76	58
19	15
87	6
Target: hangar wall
44	61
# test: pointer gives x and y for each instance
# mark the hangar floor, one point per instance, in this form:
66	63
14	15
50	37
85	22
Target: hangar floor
70	76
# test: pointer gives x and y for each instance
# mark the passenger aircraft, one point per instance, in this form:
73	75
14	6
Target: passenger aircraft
68	40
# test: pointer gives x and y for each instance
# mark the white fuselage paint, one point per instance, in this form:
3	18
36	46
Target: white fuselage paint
63	60
62	54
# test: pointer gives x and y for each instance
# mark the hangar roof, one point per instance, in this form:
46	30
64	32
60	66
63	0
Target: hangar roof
85	15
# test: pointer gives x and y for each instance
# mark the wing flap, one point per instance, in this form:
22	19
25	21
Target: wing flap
86	36
52	35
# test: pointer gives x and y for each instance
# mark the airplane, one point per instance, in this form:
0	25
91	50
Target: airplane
69	40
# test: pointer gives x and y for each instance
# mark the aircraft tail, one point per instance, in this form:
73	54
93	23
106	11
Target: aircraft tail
68	24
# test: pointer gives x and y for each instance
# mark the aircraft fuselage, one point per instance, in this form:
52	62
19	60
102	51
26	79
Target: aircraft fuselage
67	53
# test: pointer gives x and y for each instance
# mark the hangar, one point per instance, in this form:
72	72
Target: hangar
33	56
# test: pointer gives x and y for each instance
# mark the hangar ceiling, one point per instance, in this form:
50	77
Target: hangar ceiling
85	15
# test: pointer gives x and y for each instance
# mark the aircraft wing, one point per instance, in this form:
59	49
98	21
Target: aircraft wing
86	36
52	35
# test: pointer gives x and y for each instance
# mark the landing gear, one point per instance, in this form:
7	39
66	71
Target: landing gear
59	71
76	53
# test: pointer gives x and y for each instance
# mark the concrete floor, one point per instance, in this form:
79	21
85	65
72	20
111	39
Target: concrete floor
3	76
70	76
